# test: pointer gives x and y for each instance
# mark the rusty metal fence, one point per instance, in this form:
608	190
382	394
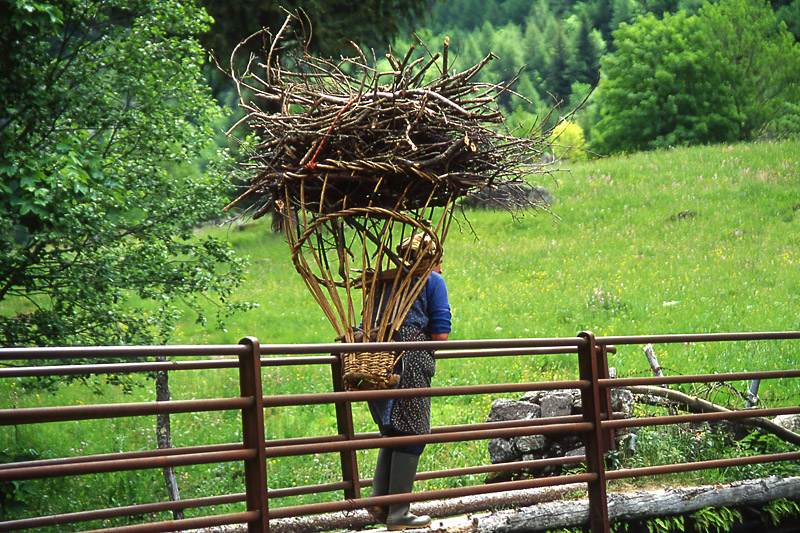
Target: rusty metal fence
596	424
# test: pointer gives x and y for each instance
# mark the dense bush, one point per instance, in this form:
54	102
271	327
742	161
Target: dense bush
725	74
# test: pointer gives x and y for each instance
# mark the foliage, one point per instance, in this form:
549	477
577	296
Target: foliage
774	512
758	61
715	520
567	140
329	24
656	91
15	496
759	443
104	118
725	74
562	43
789	12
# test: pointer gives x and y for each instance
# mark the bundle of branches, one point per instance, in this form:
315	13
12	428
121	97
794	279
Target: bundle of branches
338	135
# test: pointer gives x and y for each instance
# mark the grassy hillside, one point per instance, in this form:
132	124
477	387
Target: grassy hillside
687	240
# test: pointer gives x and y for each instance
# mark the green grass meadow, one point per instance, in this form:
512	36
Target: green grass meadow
681	241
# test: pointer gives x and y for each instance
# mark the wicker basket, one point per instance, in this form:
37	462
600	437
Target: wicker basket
369	370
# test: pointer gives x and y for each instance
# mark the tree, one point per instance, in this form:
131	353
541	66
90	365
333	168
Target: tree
567	141
758	59
656	90
535	48
725	74
330	24
104	115
588	50
789	12
623	11
557	74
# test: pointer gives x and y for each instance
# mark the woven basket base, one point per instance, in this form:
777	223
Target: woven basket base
361	381
368	371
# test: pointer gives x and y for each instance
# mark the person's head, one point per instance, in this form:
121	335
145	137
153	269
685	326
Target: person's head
419	248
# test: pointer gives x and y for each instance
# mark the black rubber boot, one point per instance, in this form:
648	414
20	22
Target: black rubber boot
401	480
380	483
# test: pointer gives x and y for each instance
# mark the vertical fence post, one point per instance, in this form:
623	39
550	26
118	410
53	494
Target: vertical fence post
344	426
255	469
594	438
752	394
606	409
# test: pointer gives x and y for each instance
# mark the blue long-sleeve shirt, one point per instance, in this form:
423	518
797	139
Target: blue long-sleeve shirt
431	310
439	316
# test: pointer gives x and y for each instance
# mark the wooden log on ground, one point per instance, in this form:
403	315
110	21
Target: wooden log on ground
359	519
643	505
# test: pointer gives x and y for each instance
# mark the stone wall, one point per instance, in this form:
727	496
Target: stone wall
543	404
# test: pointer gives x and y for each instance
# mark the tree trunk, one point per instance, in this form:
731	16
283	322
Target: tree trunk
164	436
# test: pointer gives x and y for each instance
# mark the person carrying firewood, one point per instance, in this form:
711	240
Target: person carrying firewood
428	319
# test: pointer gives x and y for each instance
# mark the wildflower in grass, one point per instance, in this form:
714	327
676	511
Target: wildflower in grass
603	300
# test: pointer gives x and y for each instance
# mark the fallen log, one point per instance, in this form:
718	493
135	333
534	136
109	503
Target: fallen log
642	505
360	519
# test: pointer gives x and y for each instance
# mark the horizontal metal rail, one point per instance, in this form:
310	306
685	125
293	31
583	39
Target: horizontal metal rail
211	350
698	337
37	415
698	417
117	512
411	440
502	467
203	522
362	396
161	452
702	465
116	368
435	474
215	364
120	352
121	465
698	378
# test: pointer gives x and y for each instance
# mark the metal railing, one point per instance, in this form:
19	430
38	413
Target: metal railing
596	424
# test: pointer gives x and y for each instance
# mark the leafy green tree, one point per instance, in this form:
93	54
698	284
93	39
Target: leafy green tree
789	12
758	58
657	91
504	43
725	74
536	45
465	15
103	115
586	116
567	141
623	11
